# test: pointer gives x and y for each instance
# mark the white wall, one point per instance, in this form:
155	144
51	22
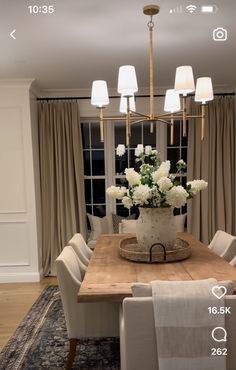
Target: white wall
19	222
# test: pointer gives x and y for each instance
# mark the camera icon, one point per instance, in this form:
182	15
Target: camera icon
220	34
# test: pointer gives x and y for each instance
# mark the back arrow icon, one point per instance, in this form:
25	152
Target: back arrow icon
12	34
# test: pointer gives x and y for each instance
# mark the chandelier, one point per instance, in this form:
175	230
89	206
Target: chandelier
175	105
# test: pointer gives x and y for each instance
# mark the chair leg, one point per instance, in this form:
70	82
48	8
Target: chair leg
72	352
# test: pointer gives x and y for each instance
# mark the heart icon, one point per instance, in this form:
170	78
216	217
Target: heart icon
219	291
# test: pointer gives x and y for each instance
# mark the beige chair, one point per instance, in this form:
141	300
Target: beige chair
81	265
224	245
233	262
127	227
80	247
138	336
82	319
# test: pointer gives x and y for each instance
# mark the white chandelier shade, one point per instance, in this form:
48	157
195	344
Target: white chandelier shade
123	104
100	96
204	90
127	81
184	80
172	101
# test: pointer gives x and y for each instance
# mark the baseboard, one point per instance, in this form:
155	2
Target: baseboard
21	277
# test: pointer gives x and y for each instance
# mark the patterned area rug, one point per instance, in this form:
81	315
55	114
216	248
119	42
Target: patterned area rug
40	342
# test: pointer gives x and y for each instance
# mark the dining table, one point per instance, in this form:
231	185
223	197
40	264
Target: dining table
109	276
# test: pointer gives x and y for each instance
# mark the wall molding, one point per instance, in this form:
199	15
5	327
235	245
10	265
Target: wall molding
14	264
24	277
13	221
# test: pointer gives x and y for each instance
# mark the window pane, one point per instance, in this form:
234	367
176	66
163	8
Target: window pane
122	211
184	153
134	210
121	163
87	169
122	182
99	191
132	162
87	184
173	155
95	137
98	162
119	133
136	135
85	135
148	137
99	210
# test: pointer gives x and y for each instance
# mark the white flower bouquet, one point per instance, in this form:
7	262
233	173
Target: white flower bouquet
152	185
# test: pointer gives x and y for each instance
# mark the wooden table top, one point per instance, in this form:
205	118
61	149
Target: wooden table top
109	277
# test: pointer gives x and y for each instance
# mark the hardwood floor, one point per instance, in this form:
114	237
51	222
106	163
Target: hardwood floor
15	301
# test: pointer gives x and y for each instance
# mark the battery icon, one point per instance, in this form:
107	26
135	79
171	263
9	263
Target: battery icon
209	8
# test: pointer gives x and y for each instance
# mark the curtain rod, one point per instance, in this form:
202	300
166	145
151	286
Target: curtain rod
118	97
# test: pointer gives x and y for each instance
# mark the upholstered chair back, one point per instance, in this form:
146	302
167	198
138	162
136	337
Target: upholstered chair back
233	262
224	245
138	336
81	248
69	280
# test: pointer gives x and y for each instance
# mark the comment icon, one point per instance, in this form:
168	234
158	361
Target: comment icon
219	334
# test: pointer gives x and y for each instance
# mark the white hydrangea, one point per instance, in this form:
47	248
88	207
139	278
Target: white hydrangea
132	176
138	150
117	192
127	202
197	185
164	184
148	149
141	195
177	196
120	150
163	171
181	162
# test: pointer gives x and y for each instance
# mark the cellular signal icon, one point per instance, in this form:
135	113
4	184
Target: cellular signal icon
178	9
191	8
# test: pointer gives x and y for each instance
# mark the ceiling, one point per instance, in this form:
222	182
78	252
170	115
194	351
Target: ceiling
89	39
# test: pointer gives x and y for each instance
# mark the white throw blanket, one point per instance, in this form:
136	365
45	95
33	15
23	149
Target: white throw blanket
184	326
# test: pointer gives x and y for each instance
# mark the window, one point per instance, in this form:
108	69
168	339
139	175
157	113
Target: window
94	169
102	167
179	150
140	135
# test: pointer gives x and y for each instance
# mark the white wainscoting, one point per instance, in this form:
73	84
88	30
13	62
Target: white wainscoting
19	232
12	184
15	249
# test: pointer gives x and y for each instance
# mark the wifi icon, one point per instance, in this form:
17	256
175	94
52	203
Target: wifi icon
191	8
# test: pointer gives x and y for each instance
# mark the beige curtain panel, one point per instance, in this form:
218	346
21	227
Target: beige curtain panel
62	179
213	160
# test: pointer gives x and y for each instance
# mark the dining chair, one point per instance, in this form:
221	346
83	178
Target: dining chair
138	341
84	253
233	262
224	245
95	319
82	266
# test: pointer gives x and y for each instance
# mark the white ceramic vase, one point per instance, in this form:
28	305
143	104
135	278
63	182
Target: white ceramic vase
156	225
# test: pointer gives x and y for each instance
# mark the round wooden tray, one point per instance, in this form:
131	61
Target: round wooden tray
130	250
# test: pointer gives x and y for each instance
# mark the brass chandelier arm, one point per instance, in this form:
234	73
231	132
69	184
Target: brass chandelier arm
184	117
101	120
203	121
